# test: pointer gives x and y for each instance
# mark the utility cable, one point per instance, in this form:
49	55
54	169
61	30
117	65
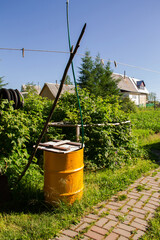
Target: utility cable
79	54
74	77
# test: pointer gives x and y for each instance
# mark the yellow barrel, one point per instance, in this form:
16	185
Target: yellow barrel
63	176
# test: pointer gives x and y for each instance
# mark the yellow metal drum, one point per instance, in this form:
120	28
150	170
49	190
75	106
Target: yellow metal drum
63	176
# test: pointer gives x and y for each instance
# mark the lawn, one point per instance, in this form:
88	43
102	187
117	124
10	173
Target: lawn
27	216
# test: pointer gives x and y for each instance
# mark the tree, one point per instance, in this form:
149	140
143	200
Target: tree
1	83
30	87
151	97
68	80
86	72
96	77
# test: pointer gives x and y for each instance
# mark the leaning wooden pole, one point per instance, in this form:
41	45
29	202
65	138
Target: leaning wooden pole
72	54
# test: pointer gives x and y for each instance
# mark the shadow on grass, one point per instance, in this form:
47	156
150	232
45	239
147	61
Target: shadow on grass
153	151
26	200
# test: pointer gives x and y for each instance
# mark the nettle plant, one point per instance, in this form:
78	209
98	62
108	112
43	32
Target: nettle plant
107	146
19	130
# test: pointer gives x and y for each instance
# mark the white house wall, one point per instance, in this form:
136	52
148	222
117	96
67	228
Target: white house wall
135	98
143	99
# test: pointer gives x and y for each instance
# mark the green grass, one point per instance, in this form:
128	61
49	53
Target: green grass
153	231
29	217
140	188
146	119
122	197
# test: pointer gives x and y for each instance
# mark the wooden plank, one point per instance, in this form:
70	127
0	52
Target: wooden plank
46	145
61	142
62	148
75	143
53	144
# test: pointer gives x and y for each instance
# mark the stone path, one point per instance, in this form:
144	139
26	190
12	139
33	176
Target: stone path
122	217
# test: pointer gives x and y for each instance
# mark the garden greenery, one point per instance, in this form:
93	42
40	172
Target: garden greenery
107	146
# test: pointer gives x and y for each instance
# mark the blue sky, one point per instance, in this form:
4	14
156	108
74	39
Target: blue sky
125	31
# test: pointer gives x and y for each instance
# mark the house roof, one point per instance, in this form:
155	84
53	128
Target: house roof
140	83
124	84
129	84
53	89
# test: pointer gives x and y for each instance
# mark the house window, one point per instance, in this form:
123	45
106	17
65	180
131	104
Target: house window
134	97
140	85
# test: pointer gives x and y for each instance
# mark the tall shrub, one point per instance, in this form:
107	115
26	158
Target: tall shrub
104	145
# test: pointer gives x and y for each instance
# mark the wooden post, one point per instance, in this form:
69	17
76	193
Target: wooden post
154	103
77	132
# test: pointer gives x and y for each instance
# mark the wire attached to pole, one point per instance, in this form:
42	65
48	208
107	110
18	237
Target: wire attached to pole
73	53
73	72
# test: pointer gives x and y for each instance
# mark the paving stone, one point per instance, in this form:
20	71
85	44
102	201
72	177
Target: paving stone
154	203
122	238
155	199
143	222
63	237
99	230
156	195
122	232
139	210
94	235
136	218
111	217
131	202
92	216
101	222
112	236
118	204
150	215
135	193
154	184
139	215
110	224
138	226
139	204
73	227
138	235
84	238
149	209
122	192
128	219
144	198
115	213
125	209
154	188
111	206
103	210
88	220
147	193
82	227
125	227
132	196
70	233
150	206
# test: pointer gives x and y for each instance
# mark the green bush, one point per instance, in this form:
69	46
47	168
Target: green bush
105	146
19	130
128	105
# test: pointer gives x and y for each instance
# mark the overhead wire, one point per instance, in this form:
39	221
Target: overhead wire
116	63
